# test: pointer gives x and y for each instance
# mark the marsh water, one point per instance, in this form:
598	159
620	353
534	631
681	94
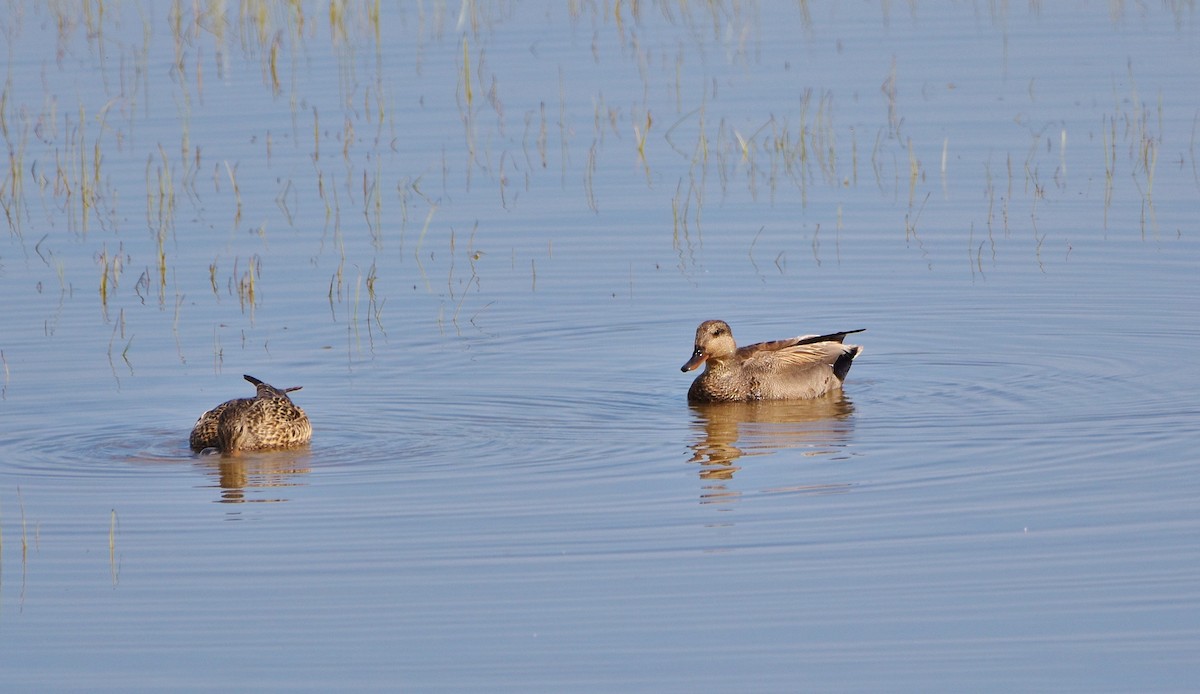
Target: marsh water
481	236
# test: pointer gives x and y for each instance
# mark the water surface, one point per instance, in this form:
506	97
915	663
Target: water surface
481	239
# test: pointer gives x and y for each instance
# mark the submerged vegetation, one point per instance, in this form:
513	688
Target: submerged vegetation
328	173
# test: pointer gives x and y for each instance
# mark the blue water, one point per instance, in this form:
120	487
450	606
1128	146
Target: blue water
487	299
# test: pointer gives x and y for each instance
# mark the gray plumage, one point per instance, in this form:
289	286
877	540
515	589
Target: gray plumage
793	369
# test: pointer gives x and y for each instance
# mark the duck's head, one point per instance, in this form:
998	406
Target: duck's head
714	340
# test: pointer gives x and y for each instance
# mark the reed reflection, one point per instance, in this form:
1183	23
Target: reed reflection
240	477
725	432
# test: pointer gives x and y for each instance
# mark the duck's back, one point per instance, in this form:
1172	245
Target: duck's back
263	423
792	369
802	371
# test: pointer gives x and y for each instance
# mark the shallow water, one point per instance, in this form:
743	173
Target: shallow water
487	297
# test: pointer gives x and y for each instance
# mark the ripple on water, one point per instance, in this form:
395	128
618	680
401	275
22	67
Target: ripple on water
994	392
1014	433
77	450
89	462
510	429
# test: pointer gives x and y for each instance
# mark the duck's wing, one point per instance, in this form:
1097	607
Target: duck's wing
786	345
760	348
787	358
803	370
276	423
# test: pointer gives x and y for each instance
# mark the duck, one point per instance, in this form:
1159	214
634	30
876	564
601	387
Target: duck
267	421
796	368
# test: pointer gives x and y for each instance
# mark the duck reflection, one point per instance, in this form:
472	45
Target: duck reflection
727	431
240	478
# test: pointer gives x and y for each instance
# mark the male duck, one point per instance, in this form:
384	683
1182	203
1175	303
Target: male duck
268	420
793	369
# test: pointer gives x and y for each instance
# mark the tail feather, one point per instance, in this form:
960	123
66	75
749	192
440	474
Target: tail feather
842	366
831	337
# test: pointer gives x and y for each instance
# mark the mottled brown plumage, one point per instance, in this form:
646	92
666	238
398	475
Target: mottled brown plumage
269	420
794	369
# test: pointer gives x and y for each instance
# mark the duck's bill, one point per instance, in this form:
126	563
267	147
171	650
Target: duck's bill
697	359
